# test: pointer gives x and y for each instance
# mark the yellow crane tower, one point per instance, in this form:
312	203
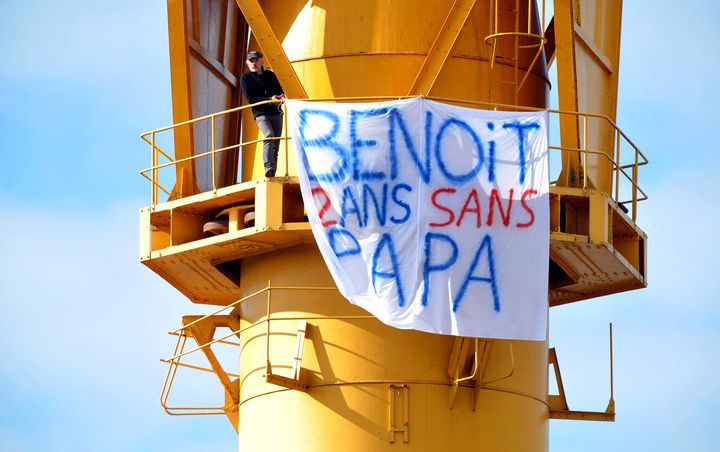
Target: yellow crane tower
315	372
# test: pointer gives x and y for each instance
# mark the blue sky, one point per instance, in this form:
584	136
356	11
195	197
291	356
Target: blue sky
82	322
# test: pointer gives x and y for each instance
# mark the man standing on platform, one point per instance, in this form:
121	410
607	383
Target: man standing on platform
260	84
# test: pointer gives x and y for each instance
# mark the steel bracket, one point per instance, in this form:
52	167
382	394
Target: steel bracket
459	358
203	330
298	378
399	392
559	408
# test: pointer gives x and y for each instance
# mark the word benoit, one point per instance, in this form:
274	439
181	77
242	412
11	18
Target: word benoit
348	155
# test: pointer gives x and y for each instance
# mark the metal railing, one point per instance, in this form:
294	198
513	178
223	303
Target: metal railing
625	169
150	138
175	362
536	39
179	352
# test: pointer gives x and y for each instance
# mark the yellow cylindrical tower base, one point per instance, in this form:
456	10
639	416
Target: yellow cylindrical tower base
365	379
371	387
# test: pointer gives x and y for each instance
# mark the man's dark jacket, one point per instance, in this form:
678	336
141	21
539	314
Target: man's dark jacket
260	87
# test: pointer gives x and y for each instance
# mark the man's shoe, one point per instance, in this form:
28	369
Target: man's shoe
269	173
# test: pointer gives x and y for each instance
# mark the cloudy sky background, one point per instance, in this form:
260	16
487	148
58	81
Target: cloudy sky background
82	322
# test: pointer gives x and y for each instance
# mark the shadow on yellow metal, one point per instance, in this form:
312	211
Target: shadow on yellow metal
587	47
466	364
207	41
203	329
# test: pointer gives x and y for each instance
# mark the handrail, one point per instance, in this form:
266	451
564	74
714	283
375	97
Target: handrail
167	386
518	31
612	154
202	118
174	361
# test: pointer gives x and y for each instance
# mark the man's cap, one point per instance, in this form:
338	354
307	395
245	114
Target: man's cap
253	54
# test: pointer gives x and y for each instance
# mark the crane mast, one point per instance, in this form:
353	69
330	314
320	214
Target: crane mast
314	372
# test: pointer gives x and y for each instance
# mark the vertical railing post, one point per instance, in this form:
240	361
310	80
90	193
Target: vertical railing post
529	18
154	160
635	186
495	11
584	149
516	55
212	155
612	383
287	162
267	331
617	165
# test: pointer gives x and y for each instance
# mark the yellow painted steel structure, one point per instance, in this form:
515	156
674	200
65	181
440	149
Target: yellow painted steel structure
315	372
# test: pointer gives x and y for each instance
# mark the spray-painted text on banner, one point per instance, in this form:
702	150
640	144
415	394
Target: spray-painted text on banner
430	216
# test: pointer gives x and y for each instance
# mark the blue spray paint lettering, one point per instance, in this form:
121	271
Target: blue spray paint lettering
491	156
462	125
486	246
342	242
380	206
429	266
323	142
387	242
346	209
357	143
402	204
522	130
397	121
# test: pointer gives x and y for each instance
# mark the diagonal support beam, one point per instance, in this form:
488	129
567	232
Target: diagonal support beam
550	46
440	49
568	97
203	332
557	402
272	49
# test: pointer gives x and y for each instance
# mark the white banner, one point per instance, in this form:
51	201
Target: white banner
430	216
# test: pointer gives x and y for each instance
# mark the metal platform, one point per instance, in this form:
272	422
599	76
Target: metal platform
595	248
206	269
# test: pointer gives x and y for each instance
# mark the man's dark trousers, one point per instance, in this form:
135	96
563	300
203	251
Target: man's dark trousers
271	127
